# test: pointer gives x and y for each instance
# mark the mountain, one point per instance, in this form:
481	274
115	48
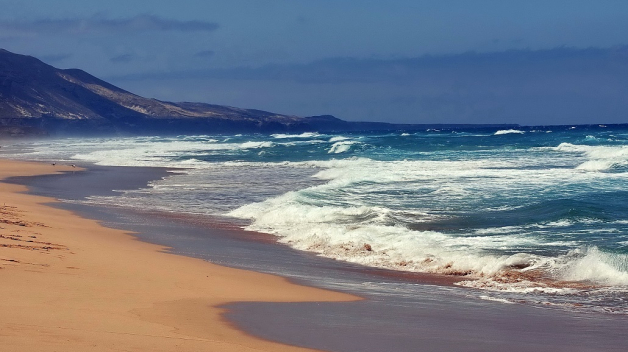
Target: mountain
36	95
36	98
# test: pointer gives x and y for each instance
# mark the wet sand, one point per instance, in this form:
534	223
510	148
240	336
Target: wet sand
71	284
400	313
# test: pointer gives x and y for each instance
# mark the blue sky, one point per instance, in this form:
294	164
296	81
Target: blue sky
528	62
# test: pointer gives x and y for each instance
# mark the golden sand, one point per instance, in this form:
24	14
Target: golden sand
69	284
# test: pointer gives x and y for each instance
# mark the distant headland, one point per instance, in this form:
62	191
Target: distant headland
37	99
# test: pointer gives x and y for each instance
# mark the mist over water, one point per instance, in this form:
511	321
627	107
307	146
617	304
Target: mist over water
534	214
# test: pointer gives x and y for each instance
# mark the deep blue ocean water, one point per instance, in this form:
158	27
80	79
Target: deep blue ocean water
537	214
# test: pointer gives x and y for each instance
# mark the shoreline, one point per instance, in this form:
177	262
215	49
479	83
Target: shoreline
395	315
103	289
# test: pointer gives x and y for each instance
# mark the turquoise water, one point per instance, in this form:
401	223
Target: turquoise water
538	214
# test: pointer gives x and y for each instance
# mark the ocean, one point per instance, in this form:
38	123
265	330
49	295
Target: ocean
536	215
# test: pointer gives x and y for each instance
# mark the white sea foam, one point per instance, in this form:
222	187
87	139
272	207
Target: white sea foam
302	142
495	299
342	233
592	264
600	157
559	223
315	219
587	265
148	153
341	147
498	230
302	135
338	139
333	232
518	286
500	132
255	145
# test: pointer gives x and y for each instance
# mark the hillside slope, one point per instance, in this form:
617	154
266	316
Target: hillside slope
35	94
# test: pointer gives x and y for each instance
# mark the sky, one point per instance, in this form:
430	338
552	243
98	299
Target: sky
404	61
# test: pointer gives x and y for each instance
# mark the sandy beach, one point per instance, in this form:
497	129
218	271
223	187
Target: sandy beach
70	284
76	285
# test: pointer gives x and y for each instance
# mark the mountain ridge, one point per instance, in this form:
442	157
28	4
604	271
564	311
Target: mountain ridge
37	98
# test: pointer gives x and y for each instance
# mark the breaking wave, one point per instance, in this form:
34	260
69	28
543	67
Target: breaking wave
368	235
302	135
500	132
341	147
599	158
